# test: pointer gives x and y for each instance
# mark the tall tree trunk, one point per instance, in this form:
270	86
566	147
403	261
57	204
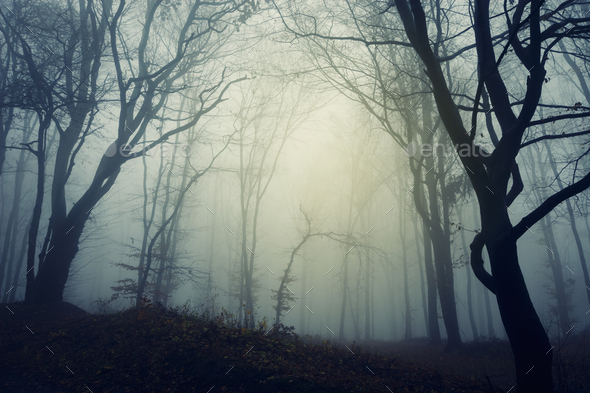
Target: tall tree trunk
482	291
404	247
528	339
344	295
468	271
302	310
31	290
367	279
11	233
53	273
420	200
368	300
433	327
557	270
489	318
421	270
19	265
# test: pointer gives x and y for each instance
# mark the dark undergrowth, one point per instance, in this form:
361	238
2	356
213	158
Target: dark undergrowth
60	348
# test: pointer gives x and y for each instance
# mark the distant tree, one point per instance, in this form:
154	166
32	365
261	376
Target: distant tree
265	122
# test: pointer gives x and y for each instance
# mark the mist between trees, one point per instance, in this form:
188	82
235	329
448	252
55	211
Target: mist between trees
279	160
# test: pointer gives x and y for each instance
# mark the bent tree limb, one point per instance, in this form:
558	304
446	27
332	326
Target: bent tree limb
550	203
477	263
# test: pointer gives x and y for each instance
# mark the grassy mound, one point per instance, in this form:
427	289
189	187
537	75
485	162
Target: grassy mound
150	350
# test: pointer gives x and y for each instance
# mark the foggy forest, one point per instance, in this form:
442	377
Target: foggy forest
294	196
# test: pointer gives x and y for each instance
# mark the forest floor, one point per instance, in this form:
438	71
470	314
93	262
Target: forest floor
60	348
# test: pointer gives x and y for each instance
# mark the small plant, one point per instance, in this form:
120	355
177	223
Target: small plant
102	306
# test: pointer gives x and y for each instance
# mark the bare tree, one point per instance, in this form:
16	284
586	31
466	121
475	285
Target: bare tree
528	34
148	75
490	176
262	137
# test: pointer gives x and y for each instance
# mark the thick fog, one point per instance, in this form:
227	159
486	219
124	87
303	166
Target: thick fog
293	163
